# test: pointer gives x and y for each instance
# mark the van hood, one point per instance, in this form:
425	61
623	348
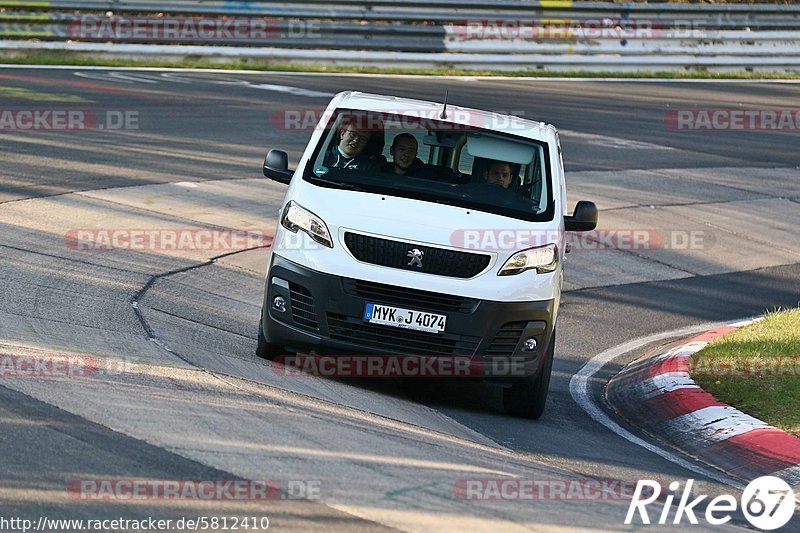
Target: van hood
409	220
424	223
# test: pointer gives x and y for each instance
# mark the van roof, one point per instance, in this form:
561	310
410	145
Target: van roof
455	114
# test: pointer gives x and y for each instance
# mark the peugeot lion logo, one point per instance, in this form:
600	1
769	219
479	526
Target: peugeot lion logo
416	257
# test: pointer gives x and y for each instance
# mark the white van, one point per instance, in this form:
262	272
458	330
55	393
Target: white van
415	228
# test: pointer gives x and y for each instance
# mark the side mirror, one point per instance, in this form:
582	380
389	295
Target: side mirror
276	166
583	219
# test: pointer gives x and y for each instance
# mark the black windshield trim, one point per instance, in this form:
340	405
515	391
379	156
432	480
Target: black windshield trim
541	216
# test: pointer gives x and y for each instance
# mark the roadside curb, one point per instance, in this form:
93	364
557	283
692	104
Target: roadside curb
657	395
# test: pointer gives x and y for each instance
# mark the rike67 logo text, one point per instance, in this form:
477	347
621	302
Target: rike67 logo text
768	503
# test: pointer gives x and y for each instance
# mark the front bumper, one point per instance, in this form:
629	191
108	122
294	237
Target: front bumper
324	315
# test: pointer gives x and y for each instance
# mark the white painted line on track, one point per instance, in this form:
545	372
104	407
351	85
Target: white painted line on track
579	389
118	76
297	91
613	142
400	76
134	78
187	77
101	77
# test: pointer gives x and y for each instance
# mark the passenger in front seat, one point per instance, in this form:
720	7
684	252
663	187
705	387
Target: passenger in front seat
405	161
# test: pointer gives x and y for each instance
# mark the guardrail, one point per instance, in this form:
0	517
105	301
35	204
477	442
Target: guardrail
421	9
509	34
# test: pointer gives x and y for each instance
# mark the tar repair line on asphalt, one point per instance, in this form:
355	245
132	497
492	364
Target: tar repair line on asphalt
579	389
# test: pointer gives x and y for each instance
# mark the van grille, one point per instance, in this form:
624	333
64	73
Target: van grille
412	298
394	254
389	340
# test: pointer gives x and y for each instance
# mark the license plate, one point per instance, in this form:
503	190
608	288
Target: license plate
404	318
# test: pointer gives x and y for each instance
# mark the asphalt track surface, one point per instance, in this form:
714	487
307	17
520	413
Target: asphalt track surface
213	128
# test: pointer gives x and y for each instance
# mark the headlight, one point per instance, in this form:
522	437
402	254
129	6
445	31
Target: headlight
297	218
543	259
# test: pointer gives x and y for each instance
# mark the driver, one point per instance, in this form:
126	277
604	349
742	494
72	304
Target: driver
499	173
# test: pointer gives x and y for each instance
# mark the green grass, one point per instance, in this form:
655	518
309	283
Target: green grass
22	93
756	369
71	58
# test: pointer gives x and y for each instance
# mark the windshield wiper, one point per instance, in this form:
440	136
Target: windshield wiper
327	181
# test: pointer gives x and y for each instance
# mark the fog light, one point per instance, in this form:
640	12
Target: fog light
279	304
530	344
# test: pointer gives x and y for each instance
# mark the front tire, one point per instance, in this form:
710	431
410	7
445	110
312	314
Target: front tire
265	349
527	398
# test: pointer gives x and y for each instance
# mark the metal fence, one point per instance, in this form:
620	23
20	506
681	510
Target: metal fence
500	34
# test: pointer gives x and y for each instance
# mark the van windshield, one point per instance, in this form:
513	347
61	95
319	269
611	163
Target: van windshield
434	161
